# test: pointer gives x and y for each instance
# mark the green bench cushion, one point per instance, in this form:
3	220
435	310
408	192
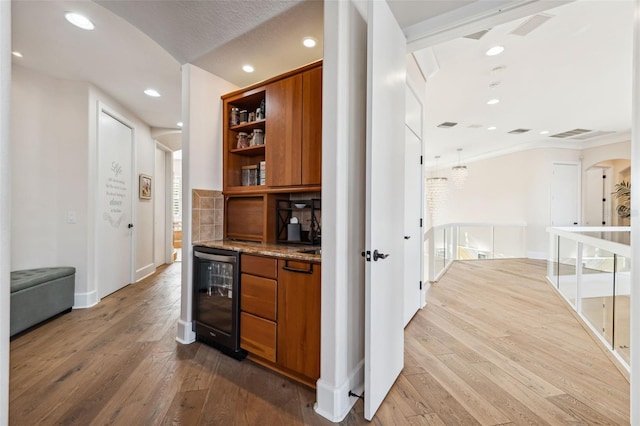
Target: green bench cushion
31	277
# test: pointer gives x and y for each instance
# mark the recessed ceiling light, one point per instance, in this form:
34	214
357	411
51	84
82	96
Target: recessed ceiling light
179	123
152	92
16	54
79	21
309	42
491	128
495	50
247	68
544	132
493	101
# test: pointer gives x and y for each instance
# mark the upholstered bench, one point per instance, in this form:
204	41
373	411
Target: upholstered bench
39	294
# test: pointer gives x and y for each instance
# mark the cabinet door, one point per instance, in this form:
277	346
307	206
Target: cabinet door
284	131
299	317
312	127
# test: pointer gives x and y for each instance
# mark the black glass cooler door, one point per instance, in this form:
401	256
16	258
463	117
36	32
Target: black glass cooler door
215	293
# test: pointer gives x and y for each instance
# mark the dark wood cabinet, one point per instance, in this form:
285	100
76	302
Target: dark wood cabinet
299	317
284	130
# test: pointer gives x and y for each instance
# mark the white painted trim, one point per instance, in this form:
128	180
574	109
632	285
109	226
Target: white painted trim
85	300
338	397
5	207
145	271
635	222
186	335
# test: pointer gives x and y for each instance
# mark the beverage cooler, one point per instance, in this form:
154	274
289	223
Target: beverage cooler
216	299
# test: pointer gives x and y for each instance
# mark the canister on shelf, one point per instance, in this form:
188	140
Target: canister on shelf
243	116
243	140
249	175
258	137
234	117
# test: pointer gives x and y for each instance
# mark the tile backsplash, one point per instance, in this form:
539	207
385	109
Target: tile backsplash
207	215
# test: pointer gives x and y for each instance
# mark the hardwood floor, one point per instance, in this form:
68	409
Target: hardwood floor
494	346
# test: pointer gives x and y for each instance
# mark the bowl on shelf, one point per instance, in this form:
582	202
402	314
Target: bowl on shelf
299	205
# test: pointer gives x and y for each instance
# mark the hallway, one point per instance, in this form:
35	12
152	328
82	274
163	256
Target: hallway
494	346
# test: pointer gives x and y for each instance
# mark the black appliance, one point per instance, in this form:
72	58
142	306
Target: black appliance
216	299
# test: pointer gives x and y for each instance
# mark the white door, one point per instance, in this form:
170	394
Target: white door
596	198
412	219
384	337
115	180
565	194
160	209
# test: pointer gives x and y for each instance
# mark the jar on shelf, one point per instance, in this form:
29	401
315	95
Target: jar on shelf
234	117
243	140
243	116
258	137
249	175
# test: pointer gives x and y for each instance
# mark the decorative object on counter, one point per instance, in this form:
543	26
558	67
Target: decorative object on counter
310	212
459	173
243	116
263	173
249	175
234	117
293	230
243	140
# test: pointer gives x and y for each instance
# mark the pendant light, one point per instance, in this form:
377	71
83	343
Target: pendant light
436	191
459	173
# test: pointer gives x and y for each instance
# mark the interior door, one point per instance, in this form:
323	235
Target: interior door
384	290
160	209
412	230
115	180
565	194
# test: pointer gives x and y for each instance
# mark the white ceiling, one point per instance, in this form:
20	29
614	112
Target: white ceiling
571	72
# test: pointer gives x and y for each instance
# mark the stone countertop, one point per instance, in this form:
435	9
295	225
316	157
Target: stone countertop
274	250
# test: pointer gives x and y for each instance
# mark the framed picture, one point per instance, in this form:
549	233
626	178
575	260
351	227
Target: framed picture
145	187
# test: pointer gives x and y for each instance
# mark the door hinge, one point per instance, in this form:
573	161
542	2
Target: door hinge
421	159
420	222
366	255
420	285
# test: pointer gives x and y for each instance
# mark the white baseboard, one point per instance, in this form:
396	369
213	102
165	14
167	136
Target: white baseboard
334	403
185	333
85	300
145	271
539	255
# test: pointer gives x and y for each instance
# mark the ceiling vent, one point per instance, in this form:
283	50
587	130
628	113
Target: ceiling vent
594	134
570	133
478	35
518	131
531	24
447	125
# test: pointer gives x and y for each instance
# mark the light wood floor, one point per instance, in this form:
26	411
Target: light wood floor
494	346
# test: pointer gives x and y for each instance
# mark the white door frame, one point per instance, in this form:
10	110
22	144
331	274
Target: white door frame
578	167
167	185
102	107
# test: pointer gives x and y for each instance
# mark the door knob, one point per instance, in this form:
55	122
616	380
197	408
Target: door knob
377	255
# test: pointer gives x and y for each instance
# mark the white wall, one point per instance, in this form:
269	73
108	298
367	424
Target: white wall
54	157
343	207
5	208
509	188
49	148
201	135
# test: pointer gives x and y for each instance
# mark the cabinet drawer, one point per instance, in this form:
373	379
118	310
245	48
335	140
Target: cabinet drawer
258	265
259	296
258	336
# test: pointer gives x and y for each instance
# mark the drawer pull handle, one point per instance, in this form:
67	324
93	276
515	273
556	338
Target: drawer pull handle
286	267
